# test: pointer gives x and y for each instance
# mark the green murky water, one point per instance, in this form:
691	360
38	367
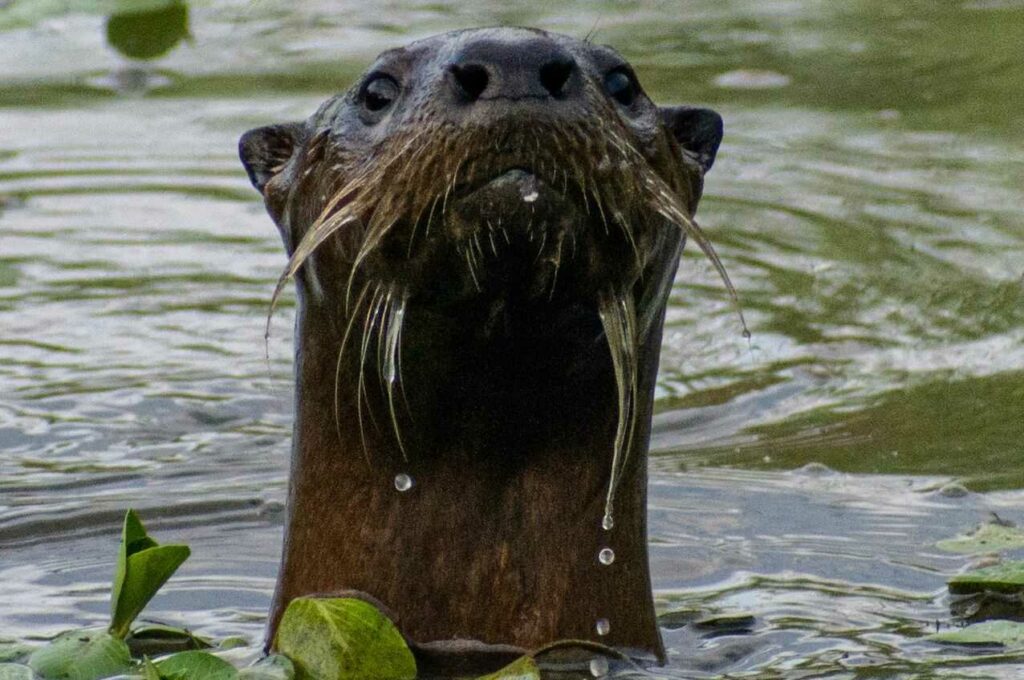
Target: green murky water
868	201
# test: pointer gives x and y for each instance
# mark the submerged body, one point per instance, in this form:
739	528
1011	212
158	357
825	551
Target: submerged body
483	232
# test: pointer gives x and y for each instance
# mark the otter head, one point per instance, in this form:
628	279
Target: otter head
484	230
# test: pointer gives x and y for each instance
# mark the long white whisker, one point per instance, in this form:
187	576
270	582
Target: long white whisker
341	352
391	373
618	316
372	313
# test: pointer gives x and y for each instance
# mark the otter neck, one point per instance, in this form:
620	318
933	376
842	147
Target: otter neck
508	438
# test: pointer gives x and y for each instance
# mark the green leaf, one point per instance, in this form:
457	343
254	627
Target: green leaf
233	642
143	567
12	650
273	667
989	537
15	671
149	671
1007	577
133	539
1003	633
342	638
194	665
155	638
148	33
81	655
523	668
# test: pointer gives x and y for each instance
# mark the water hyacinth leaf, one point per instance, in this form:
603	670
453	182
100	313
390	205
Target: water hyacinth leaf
149	32
81	655
342	638
233	642
133	540
1007	577
194	665
273	667
989	537
154	638
143	566
15	671
987	633
116	6
12	650
149	671
523	668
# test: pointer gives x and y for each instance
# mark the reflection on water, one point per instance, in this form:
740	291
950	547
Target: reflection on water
867	202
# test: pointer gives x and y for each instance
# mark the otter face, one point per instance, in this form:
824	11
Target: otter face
486	164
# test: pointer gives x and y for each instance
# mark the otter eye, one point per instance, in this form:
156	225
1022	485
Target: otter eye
379	92
620	86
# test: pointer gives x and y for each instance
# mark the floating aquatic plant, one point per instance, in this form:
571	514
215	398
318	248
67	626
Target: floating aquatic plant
319	638
343	638
143	566
1006	577
987	537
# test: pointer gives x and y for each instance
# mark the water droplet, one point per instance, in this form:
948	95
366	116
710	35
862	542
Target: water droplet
607	522
403	482
606	556
599	667
603	627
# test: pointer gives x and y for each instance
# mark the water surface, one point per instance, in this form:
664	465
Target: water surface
868	202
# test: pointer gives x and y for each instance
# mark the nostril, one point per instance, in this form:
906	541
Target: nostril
555	74
472	79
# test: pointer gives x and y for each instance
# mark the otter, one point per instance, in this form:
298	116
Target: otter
483	232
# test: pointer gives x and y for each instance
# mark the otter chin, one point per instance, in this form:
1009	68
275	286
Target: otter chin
483	233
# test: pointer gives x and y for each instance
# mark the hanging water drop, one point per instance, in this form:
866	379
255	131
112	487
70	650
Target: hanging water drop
606	556
599	667
618	318
607	522
603	627
403	482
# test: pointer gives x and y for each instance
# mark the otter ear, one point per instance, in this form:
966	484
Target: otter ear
265	150
698	131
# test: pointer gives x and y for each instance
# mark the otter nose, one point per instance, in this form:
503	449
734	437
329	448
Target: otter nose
492	69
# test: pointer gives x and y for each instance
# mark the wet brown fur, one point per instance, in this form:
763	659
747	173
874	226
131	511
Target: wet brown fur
510	438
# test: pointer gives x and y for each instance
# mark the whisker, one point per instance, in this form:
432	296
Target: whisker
385	317
430	218
392	369
372	314
558	264
618	317
368	246
670	210
341	352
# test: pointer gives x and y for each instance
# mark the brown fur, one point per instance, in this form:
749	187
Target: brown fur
504	393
